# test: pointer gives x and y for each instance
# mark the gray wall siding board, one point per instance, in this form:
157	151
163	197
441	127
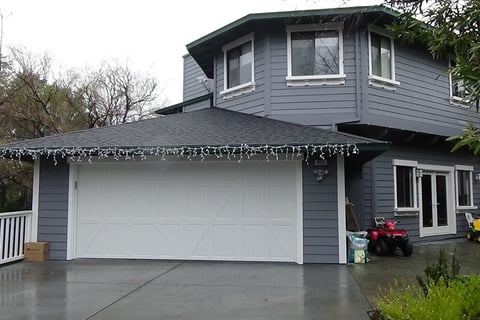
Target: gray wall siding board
320	213
192	88
197	106
422	101
53	206
382	188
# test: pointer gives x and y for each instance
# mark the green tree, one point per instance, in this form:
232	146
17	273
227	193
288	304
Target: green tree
451	30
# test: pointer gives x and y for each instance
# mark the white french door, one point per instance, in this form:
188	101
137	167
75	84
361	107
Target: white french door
437	211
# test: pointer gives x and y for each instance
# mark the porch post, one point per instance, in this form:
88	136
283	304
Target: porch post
35	199
342	223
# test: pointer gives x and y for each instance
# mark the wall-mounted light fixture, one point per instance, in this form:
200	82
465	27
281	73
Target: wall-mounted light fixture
321	171
477	176
419	173
320	174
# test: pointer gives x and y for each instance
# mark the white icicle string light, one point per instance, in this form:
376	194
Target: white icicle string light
237	153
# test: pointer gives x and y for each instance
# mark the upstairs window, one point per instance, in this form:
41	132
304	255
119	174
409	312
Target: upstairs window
458	94
464	186
381	59
315	54
239	67
405	185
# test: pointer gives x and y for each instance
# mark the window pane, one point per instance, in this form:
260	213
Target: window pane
315	53
239	66
458	89
326	53
464	182
381	55
385	54
404	187
246	63
303	48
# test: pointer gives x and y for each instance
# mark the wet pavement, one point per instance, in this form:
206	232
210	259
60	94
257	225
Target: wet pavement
116	289
129	289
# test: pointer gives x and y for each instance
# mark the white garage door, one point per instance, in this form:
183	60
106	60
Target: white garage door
207	210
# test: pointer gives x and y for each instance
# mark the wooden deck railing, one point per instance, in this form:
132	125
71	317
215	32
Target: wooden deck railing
14	232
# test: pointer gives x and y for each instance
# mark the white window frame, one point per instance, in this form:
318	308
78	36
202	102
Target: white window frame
243	88
405	163
456	100
374	80
457	202
315	80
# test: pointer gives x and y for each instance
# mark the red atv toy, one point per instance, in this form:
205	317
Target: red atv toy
385	238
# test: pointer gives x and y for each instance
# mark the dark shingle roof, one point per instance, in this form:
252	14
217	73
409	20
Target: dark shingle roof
207	127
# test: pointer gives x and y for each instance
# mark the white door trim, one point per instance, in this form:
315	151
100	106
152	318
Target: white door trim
342	221
72	212
450	184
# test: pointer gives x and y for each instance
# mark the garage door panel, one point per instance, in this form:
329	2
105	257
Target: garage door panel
226	238
170	201
227	202
199	201
200	242
255	201
256	243
149	241
281	249
188	210
282	206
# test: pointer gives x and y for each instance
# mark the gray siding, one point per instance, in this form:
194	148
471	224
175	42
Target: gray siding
378	187
320	106
312	105
192	88
53	207
320	216
197	106
422	101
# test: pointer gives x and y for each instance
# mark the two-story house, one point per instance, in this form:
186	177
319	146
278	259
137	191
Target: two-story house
284	116
341	69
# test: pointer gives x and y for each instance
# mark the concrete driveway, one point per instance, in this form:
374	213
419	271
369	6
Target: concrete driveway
125	289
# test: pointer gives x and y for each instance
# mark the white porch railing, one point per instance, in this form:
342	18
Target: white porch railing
14	232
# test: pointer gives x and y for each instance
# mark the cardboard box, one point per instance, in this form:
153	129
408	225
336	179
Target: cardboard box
36	251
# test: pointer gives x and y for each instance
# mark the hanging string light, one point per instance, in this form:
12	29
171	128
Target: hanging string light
237	153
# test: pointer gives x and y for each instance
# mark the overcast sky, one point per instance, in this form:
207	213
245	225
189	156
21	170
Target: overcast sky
151	35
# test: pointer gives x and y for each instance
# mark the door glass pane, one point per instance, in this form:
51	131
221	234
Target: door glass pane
427	201
442	200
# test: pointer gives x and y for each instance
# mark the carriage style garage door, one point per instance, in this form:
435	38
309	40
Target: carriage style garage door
210	210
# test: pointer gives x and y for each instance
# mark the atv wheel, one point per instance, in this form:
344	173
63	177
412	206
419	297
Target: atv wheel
469	235
407	249
381	247
476	237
